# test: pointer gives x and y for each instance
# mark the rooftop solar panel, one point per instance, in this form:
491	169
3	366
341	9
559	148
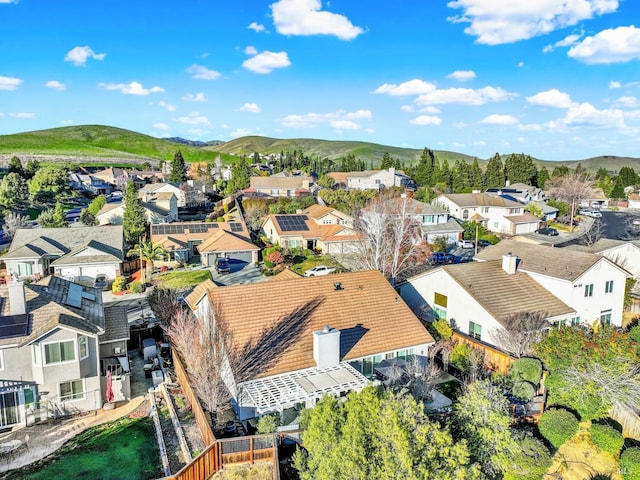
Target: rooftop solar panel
14	326
236	227
74	295
292	223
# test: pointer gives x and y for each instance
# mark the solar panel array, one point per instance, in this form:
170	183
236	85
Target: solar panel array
74	295
181	228
236	227
292	223
14	326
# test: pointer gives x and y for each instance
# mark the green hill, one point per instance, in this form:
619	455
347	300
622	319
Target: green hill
97	141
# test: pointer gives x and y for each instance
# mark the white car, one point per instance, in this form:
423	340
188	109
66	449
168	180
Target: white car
466	244
592	213
319	270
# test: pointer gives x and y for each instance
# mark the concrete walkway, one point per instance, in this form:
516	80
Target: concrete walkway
46	438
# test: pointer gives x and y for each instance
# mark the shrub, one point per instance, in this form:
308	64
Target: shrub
557	426
526	369
268	424
523	390
630	464
119	285
530	461
607	438
135	287
443	329
274	258
634	333
460	356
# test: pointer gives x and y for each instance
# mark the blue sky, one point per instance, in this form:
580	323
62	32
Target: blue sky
557	79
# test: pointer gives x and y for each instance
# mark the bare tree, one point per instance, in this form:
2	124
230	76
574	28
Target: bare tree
391	237
572	188
423	378
594	233
13	222
521	330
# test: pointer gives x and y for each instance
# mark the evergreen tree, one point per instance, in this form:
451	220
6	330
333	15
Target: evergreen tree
58	216
494	174
461	177
445	177
53	218
387	161
543	176
133	218
475	175
15	166
32	167
560	171
178	169
618	190
240	176
427	169
14	191
627	177
519	168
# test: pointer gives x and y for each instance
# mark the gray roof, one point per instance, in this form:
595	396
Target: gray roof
481	200
56	242
450	226
116	326
554	262
502	294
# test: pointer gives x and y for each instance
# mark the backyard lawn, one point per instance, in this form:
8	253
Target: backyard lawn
122	450
182	278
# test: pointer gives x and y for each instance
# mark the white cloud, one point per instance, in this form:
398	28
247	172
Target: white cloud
613	85
66	122
243	132
495	22
198	97
133	88
464	96
266	62
369	130
168	107
79	55
161	126
614	45
202	73
194	118
411	87
304	17
56	85
250	50
250	107
9	83
551	98
22	115
462	75
531	127
256	27
567	41
344	125
339	117
8	1
628	102
520	64
426	120
586	114
407	108
496	119
431	109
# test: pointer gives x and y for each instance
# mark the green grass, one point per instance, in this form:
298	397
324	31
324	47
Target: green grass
301	264
122	450
182	278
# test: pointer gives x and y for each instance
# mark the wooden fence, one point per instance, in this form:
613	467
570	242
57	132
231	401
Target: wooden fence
494	359
629	420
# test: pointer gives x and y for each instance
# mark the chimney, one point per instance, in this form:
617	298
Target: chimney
509	263
326	347
507	184
17	299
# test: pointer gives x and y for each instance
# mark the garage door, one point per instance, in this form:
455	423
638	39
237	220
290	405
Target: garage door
524	228
241	256
70	273
91	272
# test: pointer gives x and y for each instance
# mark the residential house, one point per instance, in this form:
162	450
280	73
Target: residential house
634	200
378	179
209	240
282	184
119	177
521	192
89	183
151	189
497	214
159	207
317	228
78	254
57	342
196	194
324	337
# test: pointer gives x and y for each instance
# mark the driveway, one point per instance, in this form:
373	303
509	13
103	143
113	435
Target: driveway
241	273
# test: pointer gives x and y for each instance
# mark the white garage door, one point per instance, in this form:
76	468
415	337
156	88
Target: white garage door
524	228
69	273
90	272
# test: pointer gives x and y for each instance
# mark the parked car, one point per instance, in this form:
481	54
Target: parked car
635	221
223	265
319	270
101	282
440	258
591	213
483	243
466	244
549	232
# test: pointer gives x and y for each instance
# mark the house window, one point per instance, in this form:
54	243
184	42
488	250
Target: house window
440	299
605	317
25	269
439	313
475	330
428	219
588	290
575	321
495	225
465	214
73	390
608	287
83	348
59	352
35	348
389	356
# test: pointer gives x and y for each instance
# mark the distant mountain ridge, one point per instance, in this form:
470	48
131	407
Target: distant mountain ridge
82	142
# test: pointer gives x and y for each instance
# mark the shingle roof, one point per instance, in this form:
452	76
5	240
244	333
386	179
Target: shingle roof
450	226
502	294
198	292
525	218
285	275
279	182
116	325
223	241
61	241
369	313
554	262
481	200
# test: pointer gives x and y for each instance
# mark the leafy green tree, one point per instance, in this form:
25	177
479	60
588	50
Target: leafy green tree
326	181
133	218
387	161
48	182
427	169
376	434
149	251
494	173
15	166
96	204
461	177
481	416
543	176
240	176
59	216
519	168
475	175
14	191
178	169
562	206
53	218
558	425
87	218
31	168
627	176
560	171
530	460
617	191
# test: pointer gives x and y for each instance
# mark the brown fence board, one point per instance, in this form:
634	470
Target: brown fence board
494	359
